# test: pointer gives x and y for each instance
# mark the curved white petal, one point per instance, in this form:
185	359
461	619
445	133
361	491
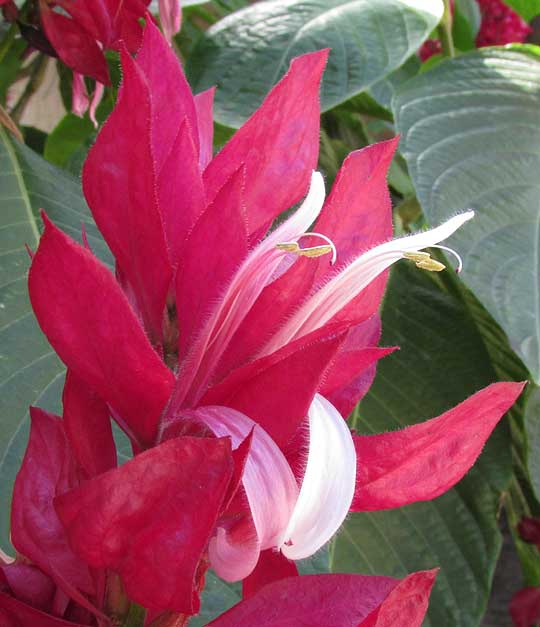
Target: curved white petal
328	486
270	487
351	280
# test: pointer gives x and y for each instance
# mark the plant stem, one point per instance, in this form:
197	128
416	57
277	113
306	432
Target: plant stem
5	45
36	78
445	31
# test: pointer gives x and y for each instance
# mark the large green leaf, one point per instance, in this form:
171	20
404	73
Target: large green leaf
471	136
30	372
247	52
526	8
532	425
443	359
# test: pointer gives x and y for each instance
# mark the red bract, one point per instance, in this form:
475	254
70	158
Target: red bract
525	607
92	27
150	520
219	331
335	601
529	530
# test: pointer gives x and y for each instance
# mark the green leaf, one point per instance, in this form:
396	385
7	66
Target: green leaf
443	359
462	33
69	135
246	53
526	8
383	91
532	426
470	132
470	10
30	372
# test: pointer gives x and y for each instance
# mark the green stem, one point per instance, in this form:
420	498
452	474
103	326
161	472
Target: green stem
5	45
445	31
135	616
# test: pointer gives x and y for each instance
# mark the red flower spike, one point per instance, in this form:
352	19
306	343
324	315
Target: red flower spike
88	427
14	613
421	462
151	519
278	145
529	530
525	607
327	601
272	566
172	100
87	319
121	192
48	469
500	25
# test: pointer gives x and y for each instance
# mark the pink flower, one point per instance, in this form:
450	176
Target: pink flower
219	329
81	102
170	14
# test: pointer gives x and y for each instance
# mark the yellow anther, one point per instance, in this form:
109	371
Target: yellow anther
315	251
312	251
288	247
423	261
416	256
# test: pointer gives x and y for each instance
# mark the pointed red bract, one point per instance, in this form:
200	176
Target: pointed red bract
172	100
87	319
119	184
421	462
278	145
181	203
358	216
88	427
276	391
314	600
353	370
48	470
151	519
272	566
212	255
407	603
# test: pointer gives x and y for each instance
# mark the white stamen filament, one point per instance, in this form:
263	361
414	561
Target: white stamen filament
343	287
316	251
452	252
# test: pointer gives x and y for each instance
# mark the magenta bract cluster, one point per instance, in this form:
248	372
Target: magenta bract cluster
194	346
